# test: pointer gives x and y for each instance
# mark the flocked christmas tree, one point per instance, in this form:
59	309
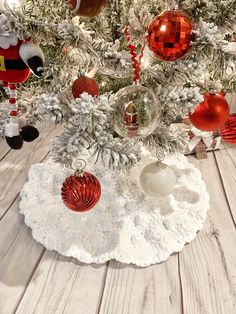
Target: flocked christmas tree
141	65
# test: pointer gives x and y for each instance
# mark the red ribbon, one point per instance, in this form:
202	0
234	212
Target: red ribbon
136	61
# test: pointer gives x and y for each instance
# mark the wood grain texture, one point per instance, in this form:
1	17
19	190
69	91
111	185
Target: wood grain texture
4	149
19	255
231	98
14	167
130	289
232	101
226	162
208	264
63	285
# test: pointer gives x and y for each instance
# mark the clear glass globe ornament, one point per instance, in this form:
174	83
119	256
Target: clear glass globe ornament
157	179
136	112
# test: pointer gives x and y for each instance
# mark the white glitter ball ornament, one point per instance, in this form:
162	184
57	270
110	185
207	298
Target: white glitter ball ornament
157	179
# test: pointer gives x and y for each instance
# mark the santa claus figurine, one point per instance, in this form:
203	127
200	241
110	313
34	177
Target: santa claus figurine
18	58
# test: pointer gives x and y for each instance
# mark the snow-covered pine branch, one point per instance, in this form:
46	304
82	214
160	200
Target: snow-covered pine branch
90	127
71	42
169	138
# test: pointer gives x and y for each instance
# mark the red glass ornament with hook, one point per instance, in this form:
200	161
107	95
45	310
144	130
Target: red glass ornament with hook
85	84
211	114
81	192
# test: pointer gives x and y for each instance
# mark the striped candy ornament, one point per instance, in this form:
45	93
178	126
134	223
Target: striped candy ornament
228	131
81	192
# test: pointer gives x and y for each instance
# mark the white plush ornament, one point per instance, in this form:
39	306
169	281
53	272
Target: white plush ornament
157	179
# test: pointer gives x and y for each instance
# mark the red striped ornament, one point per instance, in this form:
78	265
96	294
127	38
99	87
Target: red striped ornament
81	192
228	131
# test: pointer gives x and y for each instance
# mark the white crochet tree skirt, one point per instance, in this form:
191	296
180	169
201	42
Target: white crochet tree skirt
126	224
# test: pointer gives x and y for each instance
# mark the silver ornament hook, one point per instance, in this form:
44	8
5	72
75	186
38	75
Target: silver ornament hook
80	72
79	165
160	154
174	5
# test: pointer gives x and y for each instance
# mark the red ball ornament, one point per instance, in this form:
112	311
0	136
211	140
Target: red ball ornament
228	131
169	35
87	8
81	192
85	84
211	114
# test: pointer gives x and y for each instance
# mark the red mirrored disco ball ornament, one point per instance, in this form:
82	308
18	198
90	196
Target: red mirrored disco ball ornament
228	131
87	8
85	84
211	114
169	35
81	191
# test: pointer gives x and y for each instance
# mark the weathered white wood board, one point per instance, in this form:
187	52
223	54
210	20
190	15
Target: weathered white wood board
208	264
226	162
155	289
232	100
4	149
19	255
63	285
14	167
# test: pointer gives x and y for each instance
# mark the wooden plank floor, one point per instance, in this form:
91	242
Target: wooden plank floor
199	280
